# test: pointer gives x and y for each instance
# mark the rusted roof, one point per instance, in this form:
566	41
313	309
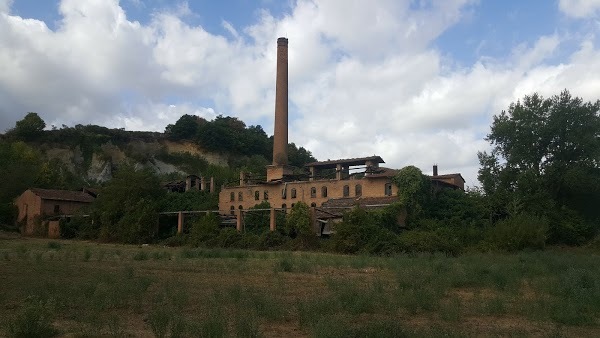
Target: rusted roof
447	176
350	162
382	172
335	208
63	195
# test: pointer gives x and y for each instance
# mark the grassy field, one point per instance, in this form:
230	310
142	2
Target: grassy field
70	288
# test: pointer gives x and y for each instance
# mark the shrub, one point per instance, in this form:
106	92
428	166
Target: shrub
204	229
518	232
34	320
568	227
272	239
228	237
175	241
426	241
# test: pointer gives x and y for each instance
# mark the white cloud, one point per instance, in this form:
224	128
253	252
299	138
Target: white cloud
580	8
356	89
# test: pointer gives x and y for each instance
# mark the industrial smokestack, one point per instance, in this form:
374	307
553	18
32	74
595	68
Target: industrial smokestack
280	137
435	170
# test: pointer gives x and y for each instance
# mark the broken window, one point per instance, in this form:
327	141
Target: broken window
324	192
358	190
240	196
232	208
388	189
266	195
346	190
294	193
56	208
313	192
232	197
256	195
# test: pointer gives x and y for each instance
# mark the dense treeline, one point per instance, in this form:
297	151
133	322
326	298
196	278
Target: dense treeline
229	134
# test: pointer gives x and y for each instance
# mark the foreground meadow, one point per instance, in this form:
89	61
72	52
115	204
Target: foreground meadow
70	288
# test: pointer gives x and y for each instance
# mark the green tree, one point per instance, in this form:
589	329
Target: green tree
29	128
414	191
186	128
545	157
298	221
19	168
127	207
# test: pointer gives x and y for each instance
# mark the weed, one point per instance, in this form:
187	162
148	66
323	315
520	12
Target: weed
54	245
87	254
34	320
159	320
140	256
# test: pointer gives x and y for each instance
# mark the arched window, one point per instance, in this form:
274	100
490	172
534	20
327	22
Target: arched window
240	196
284	206
346	190
323	191
240	207
256	195
293	205
358	190
283	194
293	192
232	208
232	196
388	189
266	195
313	204
313	192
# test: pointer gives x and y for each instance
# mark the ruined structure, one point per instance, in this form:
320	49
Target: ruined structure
39	208
341	183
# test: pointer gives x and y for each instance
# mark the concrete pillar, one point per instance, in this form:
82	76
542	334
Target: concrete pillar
212	184
242	178
180	222
202	184
188	183
312	173
238	223
272	222
280	137
313	221
198	183
338	172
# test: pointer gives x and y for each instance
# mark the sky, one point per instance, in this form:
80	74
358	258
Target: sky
416	82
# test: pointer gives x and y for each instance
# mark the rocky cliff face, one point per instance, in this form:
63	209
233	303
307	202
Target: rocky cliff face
99	165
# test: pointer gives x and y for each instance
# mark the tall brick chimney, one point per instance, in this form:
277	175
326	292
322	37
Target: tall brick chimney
280	137
279	169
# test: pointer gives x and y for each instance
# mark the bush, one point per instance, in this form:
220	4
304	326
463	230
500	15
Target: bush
426	241
568	227
204	229
518	232
34	320
272	239
175	241
228	238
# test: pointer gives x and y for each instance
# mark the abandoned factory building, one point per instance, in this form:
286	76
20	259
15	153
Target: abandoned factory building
359	181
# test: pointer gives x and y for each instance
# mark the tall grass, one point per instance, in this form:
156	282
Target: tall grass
49	287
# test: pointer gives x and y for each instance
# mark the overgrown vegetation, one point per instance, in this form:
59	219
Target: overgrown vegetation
540	187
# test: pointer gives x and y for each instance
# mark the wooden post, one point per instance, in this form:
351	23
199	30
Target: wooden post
180	222
238	224
212	184
202	184
272	222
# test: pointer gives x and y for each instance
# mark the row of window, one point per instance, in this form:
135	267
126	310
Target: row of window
313	192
